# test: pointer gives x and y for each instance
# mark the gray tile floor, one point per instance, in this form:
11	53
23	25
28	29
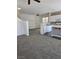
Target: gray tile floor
38	46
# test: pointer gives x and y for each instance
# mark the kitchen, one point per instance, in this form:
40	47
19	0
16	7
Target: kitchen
52	25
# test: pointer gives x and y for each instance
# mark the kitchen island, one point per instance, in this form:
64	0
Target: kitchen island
51	29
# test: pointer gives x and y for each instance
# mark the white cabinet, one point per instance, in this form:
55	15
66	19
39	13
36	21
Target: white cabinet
48	28
45	28
55	18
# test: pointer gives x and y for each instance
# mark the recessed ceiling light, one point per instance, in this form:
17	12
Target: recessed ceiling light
19	8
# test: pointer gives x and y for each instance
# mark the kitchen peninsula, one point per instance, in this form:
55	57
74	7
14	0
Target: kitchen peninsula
52	29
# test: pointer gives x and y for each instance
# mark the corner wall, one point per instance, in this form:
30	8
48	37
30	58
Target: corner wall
22	27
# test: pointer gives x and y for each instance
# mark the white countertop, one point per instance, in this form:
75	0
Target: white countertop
56	26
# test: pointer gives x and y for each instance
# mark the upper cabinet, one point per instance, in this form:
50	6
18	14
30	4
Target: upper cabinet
54	18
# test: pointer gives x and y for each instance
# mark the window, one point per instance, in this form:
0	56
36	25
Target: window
45	19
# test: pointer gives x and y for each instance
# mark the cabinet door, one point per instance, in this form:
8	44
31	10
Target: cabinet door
48	28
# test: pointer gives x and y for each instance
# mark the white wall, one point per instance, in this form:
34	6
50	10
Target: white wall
22	27
34	21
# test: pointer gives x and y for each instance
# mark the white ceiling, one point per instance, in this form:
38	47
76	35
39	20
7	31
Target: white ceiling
39	8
